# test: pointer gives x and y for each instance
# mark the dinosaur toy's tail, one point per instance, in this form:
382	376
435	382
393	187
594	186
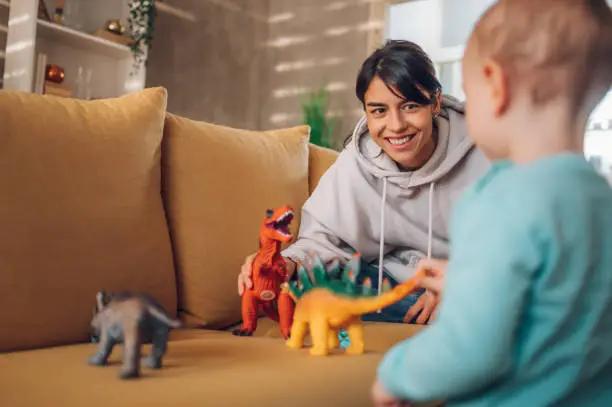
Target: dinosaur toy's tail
163	317
372	304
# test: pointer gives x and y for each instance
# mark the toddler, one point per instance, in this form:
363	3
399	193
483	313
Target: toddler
526	314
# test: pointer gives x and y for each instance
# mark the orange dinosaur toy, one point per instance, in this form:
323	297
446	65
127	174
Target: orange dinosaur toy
269	292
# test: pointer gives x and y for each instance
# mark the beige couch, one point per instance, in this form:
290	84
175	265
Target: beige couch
119	194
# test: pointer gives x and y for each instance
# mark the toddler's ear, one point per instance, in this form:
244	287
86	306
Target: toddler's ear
497	84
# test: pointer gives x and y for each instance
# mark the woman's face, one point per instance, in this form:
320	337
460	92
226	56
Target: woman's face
403	129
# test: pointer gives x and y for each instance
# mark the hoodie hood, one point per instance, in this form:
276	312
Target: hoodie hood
453	144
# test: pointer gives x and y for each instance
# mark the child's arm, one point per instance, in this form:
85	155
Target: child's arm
471	343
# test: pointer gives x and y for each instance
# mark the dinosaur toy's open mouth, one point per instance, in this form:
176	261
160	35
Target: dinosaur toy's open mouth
282	223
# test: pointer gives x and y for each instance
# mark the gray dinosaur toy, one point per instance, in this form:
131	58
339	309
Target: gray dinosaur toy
130	319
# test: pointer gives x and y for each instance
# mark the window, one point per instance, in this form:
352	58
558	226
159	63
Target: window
441	27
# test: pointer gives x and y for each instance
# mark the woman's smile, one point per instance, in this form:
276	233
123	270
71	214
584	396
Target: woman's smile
399	143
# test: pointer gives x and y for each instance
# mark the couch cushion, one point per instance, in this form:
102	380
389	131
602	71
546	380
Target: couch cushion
80	211
320	159
202	368
218	183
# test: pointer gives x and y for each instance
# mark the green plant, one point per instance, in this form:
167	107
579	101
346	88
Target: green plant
142	27
314	114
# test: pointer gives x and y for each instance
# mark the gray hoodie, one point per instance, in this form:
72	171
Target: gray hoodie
365	204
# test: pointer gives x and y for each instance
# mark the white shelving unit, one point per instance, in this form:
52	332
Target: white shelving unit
111	63
5	5
80	40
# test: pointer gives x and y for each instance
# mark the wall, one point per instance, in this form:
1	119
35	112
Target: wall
247	63
4	16
209	54
314	43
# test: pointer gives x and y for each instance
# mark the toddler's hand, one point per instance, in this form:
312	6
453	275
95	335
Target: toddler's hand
435	271
382	398
433	283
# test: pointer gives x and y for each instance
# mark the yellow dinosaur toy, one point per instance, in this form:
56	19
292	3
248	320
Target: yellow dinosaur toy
331	301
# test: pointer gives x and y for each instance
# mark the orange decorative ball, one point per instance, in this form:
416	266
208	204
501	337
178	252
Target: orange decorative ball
54	74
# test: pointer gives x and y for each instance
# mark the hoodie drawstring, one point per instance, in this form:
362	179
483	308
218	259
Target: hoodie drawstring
430	222
382	236
382	230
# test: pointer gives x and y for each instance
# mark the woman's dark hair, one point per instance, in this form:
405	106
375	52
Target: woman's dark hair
403	66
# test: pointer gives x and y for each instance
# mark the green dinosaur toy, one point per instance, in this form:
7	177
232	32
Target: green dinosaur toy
330	301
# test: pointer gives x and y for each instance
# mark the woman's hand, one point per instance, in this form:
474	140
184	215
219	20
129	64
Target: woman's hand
382	398
433	283
244	278
427	304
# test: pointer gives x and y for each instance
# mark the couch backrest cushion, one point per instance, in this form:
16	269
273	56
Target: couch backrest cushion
320	159
80	210
218	183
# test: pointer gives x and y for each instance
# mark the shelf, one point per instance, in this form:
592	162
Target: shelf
5	3
81	40
3	28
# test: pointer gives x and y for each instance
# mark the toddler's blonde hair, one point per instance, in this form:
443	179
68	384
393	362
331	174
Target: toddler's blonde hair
555	48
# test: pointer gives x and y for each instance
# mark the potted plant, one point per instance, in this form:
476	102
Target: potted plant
315	115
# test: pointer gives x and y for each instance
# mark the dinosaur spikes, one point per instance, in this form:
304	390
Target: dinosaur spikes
334	270
318	270
295	289
355	264
386	285
366	288
349	278
349	274
304	279
337	277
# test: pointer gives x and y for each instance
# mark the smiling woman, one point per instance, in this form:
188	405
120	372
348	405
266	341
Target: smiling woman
390	193
401	94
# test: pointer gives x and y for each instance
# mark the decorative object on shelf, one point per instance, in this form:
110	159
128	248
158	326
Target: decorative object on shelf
54	89
314	114
115	27
72	14
83	84
142	27
54	74
59	12
114	31
43	13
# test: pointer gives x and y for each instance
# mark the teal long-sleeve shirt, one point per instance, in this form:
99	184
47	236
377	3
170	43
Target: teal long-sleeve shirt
526	314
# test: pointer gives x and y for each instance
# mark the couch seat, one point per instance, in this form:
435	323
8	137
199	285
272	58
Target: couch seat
202	368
